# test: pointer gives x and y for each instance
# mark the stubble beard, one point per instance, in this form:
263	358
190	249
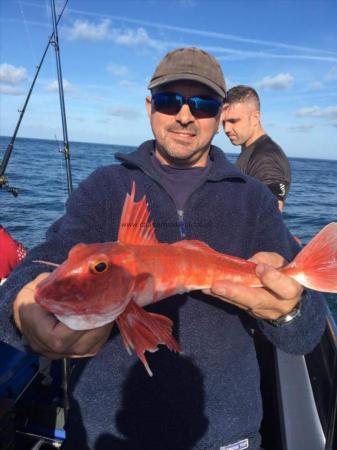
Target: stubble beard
177	158
177	152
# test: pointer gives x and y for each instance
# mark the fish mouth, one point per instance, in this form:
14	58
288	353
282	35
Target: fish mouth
65	298
59	295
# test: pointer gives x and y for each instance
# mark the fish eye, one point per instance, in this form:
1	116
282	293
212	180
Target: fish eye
98	266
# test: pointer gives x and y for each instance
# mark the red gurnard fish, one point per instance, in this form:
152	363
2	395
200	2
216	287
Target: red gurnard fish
104	282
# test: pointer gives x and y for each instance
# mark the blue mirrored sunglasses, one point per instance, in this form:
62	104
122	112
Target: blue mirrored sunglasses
200	106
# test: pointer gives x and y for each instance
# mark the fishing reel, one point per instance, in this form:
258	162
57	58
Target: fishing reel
4	185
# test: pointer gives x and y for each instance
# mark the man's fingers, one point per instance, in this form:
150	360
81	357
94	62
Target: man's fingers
26	297
73	343
67	342
260	302
270	258
91	341
242	296
284	287
47	335
278	295
50	330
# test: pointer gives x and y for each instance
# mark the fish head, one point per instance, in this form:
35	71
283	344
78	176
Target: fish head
94	279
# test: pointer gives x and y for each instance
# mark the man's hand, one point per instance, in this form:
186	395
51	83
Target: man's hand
278	296
46	335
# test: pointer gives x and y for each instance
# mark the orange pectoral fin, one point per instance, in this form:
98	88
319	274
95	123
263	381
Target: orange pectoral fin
143	331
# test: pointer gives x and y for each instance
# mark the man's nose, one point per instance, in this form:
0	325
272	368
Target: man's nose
185	115
226	126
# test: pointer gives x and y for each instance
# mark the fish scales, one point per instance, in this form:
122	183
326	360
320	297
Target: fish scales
106	282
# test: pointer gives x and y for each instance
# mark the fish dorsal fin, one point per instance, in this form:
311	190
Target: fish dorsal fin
135	226
196	245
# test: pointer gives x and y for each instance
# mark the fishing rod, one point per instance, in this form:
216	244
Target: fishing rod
66	150
3	179
66	364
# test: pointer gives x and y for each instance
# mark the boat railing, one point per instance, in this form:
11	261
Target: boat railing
307	395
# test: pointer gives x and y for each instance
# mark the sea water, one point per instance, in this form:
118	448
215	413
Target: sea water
37	170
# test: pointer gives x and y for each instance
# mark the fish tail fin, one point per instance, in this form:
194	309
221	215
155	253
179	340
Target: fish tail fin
315	267
143	331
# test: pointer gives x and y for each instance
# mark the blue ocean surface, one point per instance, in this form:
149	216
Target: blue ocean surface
37	169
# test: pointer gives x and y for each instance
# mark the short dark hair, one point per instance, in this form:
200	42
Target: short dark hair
242	93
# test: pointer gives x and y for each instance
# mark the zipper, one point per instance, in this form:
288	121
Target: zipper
180	212
181	224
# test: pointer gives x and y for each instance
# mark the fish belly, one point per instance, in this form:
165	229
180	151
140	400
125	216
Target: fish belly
85	322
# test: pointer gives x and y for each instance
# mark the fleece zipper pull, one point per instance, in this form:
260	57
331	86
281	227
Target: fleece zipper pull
181	224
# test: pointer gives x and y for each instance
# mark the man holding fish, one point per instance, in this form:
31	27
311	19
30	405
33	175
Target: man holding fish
170	269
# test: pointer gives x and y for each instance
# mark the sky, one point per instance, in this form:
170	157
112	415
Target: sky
286	50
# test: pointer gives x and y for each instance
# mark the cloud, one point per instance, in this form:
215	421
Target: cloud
127	84
230	82
78	119
330	112
278	82
54	87
213	34
90	31
187	3
332	74
138	37
315	86
117	70
233	54
84	30
130	37
125	112
301	128
10	90
11	74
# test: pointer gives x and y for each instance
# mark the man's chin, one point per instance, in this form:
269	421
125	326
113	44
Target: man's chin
233	141
183	159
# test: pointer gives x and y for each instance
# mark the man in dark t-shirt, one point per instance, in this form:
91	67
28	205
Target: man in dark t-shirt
260	156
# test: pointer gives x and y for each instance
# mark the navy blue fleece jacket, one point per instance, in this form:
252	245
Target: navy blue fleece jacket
209	396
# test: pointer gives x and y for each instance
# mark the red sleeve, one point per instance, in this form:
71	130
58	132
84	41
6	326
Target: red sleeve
11	253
